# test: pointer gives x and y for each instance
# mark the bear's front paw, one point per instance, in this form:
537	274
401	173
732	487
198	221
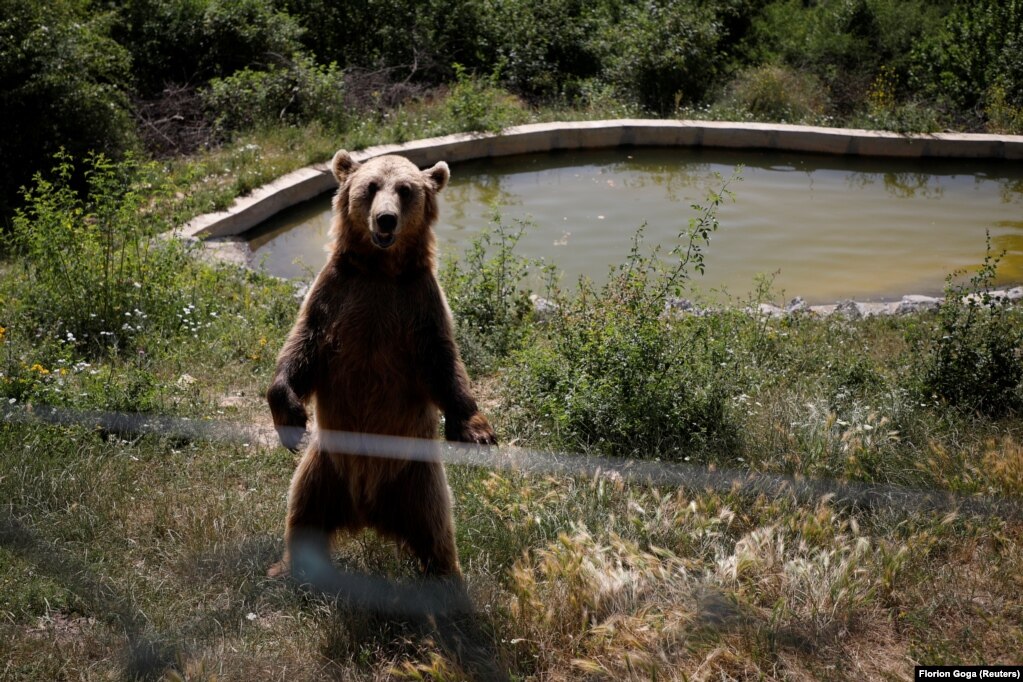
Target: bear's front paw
475	429
291	435
289	415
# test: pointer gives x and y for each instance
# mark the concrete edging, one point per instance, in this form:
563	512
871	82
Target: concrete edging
306	183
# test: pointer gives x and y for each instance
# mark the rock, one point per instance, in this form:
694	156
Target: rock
917	304
681	305
996	297
543	308
875	308
979	299
770	310
849	310
233	401
227	250
797	305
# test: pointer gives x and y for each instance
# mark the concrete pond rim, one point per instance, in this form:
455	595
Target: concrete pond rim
220	231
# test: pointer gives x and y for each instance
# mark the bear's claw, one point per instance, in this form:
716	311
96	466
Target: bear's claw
476	429
291	436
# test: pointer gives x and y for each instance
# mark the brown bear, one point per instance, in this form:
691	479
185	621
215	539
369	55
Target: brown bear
373	348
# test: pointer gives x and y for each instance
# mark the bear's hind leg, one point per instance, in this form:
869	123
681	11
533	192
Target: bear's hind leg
318	505
415	508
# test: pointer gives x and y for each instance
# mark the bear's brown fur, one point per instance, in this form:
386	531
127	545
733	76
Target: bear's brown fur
373	345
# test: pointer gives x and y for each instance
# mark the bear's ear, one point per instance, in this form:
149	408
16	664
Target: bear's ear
438	175
343	165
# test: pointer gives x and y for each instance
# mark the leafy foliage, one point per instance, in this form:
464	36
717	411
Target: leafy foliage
662	53
845	43
296	91
978	49
614	371
420	39
92	266
193	41
98	305
478	104
975	360
490	305
62	84
536	60
776	93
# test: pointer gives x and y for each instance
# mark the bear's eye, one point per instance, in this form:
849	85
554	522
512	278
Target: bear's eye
404	191
371	189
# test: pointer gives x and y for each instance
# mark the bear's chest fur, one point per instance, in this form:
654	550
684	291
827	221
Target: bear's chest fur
370	356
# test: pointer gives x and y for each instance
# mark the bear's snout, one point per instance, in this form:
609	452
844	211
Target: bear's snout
385	229
387	222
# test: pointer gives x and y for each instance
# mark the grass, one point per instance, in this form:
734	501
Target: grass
158	550
132	555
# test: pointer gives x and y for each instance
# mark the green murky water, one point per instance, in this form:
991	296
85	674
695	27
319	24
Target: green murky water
827	228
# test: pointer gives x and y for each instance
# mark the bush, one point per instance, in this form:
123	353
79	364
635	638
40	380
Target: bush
192	41
978	49
478	104
613	372
94	276
845	43
1002	116
420	39
661	53
535	60
488	299
298	91
974	361
100	311
62	84
777	93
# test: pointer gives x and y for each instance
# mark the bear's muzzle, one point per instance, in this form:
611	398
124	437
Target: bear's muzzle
386	229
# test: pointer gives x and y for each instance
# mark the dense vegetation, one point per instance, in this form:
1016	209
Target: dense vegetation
173	76
137	549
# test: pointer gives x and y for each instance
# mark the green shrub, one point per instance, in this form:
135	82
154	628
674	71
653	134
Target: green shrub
486	291
884	110
298	91
536	60
845	43
614	371
419	39
974	361
94	276
192	41
62	84
101	310
777	93
478	104
979	47
661	53
1002	116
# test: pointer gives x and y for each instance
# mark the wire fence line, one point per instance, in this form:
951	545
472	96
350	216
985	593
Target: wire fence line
438	609
538	462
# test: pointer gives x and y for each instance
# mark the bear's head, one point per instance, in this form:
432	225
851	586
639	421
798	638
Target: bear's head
385	204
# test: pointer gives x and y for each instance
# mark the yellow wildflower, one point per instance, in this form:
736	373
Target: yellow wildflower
39	368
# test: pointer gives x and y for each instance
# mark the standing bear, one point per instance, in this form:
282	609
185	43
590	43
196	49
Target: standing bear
373	349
